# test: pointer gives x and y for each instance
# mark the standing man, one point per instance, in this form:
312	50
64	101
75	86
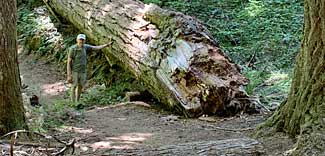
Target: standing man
76	65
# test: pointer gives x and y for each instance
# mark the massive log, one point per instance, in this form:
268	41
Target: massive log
238	147
172	54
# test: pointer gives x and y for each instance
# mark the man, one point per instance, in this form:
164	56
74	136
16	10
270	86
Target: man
76	65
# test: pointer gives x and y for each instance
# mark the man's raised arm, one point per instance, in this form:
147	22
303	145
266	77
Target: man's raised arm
97	47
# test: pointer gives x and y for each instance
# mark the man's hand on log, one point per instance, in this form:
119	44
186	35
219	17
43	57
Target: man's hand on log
69	79
110	42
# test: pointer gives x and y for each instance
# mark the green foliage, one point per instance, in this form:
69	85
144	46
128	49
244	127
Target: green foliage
30	3
274	89
51	43
25	23
266	33
115	93
158	2
256	78
52	115
112	76
271	28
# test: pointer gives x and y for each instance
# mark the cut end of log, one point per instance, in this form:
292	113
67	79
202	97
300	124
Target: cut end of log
174	55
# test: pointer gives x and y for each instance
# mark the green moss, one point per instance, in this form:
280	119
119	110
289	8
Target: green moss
160	18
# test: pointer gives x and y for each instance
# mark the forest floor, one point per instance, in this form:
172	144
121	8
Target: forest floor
123	128
135	125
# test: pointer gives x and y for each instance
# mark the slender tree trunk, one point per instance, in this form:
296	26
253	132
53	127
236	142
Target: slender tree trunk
11	106
304	111
172	54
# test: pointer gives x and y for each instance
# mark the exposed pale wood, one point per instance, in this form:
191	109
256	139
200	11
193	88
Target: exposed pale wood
172	54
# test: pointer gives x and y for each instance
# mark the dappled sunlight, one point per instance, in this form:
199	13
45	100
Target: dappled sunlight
132	137
124	141
76	130
107	145
20	49
276	77
54	88
254	8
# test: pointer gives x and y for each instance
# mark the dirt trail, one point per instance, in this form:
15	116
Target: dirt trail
42	79
105	131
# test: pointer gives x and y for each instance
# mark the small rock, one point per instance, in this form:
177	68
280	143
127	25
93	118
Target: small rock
170	118
28	115
72	114
84	148
34	100
121	119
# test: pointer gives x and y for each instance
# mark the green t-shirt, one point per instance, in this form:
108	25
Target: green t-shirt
78	56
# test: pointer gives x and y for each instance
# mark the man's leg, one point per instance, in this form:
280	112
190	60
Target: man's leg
81	84
73	93
74	88
78	92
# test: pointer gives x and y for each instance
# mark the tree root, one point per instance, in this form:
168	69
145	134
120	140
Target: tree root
230	129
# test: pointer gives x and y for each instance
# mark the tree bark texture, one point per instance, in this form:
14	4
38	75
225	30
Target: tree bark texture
303	113
171	53
231	147
11	106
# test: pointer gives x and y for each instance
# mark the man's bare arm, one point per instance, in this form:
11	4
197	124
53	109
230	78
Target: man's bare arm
98	47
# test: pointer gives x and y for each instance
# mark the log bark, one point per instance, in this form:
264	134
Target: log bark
231	147
11	106
172	54
303	113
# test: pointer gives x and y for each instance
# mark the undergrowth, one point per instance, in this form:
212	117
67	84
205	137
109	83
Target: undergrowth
261	36
54	115
53	45
108	83
114	93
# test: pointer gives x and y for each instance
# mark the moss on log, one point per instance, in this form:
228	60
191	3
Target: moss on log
172	54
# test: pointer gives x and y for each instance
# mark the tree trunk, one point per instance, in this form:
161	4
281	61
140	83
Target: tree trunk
304	111
237	147
11	106
171	53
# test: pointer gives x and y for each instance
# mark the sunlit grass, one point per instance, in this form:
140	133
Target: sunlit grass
253	9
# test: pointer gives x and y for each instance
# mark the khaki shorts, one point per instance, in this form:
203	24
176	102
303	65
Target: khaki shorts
79	79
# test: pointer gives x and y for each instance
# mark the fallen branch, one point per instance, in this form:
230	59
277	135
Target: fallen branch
230	129
67	145
132	103
249	63
22	143
12	141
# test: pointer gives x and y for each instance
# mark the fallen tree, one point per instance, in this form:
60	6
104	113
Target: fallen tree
238	147
171	53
